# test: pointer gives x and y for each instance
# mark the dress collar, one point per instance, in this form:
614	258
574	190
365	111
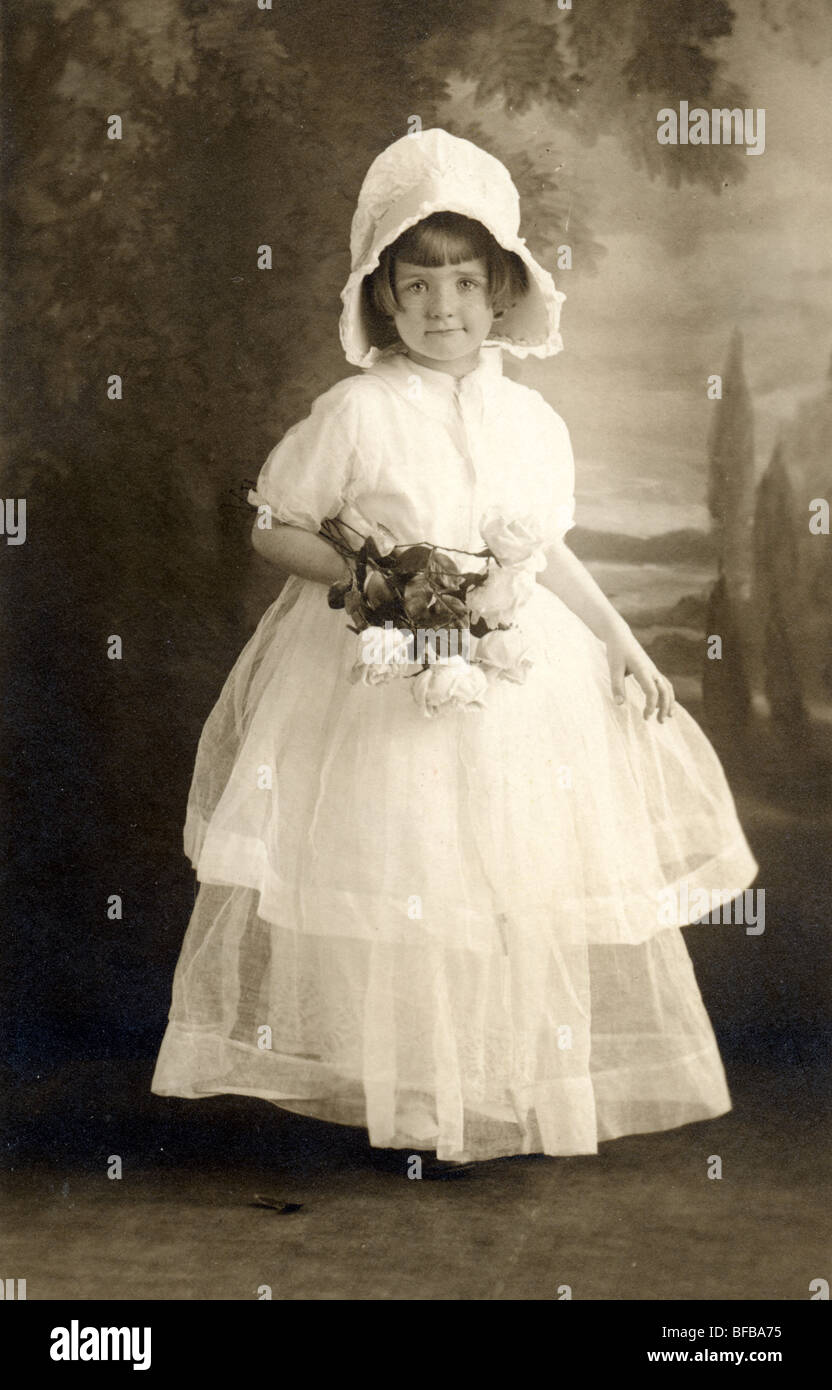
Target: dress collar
439	391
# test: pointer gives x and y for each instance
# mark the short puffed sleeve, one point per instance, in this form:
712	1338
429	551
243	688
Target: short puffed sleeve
311	473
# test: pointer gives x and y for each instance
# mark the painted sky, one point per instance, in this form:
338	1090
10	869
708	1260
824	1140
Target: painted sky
682	268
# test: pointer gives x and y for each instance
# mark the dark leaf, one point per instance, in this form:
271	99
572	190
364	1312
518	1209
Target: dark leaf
442	564
356	607
337	593
413	559
451	610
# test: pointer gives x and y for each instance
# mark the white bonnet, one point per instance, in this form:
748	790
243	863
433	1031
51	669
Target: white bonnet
429	172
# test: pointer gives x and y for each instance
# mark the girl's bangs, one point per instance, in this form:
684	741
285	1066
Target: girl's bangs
445	238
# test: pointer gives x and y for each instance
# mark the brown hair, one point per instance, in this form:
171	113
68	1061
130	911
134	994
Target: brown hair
444	238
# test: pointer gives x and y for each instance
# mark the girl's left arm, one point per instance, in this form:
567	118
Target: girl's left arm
567	578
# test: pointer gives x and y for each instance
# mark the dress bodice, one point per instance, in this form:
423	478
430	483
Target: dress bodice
424	454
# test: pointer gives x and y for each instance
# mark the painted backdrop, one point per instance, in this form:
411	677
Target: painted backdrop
244	125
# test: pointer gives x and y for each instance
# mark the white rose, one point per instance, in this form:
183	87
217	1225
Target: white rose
384	652
453	684
511	542
384	539
506	654
497	600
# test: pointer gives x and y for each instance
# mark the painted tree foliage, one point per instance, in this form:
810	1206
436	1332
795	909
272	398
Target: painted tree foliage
772	603
778	597
731	475
793	569
725	685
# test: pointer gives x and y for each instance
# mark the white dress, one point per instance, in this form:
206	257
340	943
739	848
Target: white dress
448	930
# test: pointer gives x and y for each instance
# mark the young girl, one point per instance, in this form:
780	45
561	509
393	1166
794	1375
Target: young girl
448	919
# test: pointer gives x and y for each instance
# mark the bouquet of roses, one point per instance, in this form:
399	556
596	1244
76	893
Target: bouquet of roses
446	622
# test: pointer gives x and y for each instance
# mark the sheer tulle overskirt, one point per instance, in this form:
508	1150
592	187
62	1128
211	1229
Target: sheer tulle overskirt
449	931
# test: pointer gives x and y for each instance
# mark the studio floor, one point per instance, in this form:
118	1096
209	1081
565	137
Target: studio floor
642	1220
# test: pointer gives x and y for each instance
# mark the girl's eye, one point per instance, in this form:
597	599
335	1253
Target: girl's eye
417	286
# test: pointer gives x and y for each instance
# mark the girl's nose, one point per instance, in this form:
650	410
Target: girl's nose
441	301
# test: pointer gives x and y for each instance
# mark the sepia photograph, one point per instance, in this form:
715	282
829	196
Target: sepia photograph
416	662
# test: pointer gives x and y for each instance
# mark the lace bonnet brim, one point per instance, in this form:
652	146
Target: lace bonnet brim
436	172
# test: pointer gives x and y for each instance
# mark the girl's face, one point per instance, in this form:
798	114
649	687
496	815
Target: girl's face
444	314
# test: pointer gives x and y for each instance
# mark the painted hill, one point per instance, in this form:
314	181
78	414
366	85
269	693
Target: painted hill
670	547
